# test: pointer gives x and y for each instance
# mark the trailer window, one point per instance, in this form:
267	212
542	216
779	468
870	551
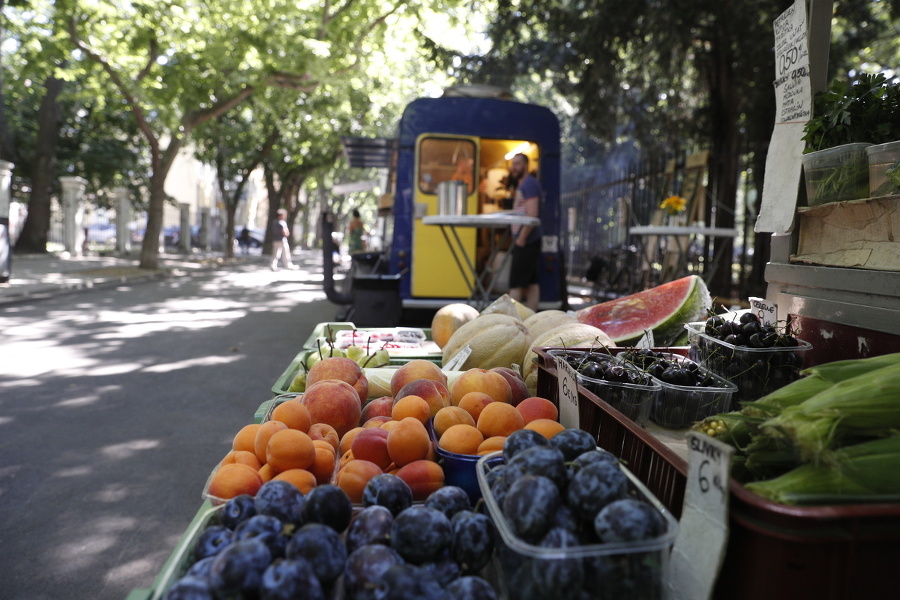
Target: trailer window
446	159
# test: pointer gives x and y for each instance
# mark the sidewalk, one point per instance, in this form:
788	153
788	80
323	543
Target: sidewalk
35	276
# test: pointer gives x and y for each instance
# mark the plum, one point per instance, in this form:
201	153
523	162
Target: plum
212	540
559	577
473	540
442	571
238	568
372	525
290	579
190	587
595	486
471	587
201	568
520	440
530	506
322	547
389	491
282	500
421	534
237	510
328	504
449	499
405	581
628	520
267	529
364	569
573	443
545	461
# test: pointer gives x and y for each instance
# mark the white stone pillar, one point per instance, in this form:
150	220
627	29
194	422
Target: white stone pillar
184	235
73	213
205	228
123	218
5	233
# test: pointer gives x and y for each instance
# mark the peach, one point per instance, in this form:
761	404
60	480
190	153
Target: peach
411	406
376	422
390	425
434	393
449	416
423	477
354	476
372	445
347	439
244	439
546	427
335	403
461	439
233	480
379	407
516	384
474	402
325	432
293	414
536	407
302	479
481	380
408	442
499	418
266	431
290	449
416	369
342	369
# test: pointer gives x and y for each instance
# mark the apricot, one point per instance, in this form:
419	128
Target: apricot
537	408
449	416
233	480
266	431
302	479
290	449
408	442
323	465
423	477
411	406
267	473
474	402
481	380
389	426
324	431
546	427
499	418
244	438
416	369
325	445
242	457
461	439
345	458
353	477
293	414
434	393
491	444
371	445
347	439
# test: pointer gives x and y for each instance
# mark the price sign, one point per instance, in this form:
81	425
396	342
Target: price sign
703	529
765	310
567	393
456	363
646	341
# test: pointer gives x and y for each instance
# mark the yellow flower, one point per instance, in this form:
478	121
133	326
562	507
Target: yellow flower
673	204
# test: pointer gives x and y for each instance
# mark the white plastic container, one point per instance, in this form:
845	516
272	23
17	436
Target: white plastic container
884	169
836	174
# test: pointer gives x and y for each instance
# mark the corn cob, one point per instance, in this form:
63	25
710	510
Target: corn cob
862	472
867	404
792	394
733	428
841	370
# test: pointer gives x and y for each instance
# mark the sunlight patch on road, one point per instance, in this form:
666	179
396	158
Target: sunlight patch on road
128	449
204	361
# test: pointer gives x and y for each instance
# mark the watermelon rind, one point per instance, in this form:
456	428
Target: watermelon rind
663	309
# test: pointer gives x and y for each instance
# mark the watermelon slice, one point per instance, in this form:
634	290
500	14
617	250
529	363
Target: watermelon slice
664	309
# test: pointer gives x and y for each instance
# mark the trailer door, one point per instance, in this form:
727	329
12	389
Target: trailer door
440	158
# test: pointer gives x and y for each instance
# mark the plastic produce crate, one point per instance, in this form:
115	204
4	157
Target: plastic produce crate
331	332
630	570
774	551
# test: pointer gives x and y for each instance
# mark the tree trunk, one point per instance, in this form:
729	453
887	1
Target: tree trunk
43	179
150	245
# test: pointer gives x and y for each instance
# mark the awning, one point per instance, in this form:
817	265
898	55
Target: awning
368	153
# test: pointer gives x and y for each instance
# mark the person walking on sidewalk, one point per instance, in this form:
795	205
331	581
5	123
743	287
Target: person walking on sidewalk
281	248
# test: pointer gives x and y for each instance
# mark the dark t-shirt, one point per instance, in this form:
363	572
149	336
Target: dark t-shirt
528	188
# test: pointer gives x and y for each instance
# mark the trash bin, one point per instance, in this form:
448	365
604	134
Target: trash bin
366	263
376	300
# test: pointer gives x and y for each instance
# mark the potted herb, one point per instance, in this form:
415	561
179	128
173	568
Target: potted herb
847	119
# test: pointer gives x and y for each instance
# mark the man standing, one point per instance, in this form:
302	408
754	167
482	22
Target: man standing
281	249
524	279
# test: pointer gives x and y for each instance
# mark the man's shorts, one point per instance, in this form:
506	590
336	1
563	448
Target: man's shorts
525	264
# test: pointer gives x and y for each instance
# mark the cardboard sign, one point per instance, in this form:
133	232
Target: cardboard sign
567	393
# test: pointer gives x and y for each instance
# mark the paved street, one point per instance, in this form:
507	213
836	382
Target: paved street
115	404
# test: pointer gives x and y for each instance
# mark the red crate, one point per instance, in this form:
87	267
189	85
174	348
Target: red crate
774	551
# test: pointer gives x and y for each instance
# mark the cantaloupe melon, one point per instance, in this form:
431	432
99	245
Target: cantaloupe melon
571	335
448	319
496	341
542	322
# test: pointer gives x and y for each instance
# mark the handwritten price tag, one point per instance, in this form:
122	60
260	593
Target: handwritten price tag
567	393
765	310
456	363
703	529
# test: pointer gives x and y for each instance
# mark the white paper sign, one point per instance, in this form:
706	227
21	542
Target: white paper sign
703	528
456	363
765	310
646	341
567	393
793	102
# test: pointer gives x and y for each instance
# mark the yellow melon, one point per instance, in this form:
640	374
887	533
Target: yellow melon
448	319
496	341
540	323
572	335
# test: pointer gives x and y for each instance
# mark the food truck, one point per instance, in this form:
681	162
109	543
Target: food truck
451	157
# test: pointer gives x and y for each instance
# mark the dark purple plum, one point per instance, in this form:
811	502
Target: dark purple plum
322	547
238	568
190	587
520	440
545	461
595	486
282	500
365	567
201	568
573	443
449	499
560	577
628	520
328	504
421	534
471	587
406	581
237	510
290	579
530	506
388	491
212	540
267	529
473	540
441	571
372	525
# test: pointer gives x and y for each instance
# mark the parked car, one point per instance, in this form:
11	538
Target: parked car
257	237
101	234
